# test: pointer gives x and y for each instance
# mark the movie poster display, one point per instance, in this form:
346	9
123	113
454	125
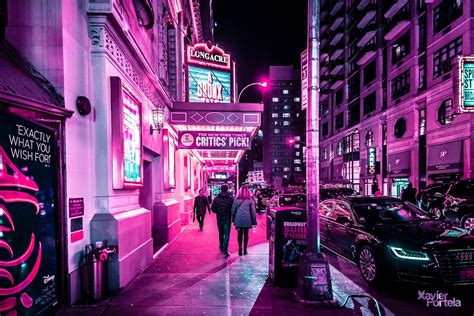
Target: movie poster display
132	155
28	254
207	85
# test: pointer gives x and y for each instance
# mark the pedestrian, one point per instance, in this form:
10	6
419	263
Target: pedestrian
378	192
222	205
243	216
200	206
409	194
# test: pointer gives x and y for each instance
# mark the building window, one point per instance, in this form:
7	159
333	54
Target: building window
298	169
325	129
401	85
339	120
285	91
339	96
297	154
325	107
354	113
297	137
286	115
369	103
369	138
286	123
275	161
339	149
286	169
401	48
325	153
297	99
369	72
444	58
275	100
274	115
445	111
297	161
353	87
422	76
286	107
446	13
400	128
384	134
276	131
422	122
297	146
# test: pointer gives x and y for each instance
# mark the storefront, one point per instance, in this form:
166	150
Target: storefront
445	162
399	167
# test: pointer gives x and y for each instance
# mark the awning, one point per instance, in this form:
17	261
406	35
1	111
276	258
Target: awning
222	128
445	158
399	164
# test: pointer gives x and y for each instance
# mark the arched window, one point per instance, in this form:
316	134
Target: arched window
444	112
400	128
369	138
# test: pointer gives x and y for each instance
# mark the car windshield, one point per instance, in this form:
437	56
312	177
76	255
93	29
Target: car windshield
391	211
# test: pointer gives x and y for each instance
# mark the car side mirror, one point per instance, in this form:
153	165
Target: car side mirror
343	220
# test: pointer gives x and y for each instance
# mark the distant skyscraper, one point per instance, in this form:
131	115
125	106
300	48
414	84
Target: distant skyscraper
283	163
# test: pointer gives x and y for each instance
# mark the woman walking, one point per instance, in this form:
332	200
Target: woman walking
243	216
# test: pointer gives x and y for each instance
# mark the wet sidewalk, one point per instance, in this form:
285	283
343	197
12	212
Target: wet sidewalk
191	277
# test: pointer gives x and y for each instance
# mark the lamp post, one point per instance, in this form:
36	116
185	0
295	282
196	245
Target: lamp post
314	279
262	84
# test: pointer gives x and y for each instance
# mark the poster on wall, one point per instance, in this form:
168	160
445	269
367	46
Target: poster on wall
171	162
131	140
208	85
28	254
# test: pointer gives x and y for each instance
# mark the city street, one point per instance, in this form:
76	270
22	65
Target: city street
190	277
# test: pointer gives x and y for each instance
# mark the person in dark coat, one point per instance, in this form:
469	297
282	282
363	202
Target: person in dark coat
243	216
409	194
200	206
222	205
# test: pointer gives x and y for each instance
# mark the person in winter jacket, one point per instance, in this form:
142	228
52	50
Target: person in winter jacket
243	216
222	205
200	206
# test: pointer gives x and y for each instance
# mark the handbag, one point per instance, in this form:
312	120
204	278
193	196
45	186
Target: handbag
233	217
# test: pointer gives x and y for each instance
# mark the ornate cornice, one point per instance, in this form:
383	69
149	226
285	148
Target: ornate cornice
102	40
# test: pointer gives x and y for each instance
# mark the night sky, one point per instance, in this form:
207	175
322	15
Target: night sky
258	34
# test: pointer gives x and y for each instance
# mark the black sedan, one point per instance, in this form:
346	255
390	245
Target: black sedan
387	237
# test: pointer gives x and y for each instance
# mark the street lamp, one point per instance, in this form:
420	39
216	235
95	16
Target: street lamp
262	84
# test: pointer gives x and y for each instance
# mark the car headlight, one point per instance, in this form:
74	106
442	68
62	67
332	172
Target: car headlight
409	254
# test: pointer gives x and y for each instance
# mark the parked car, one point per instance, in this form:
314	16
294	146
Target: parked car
459	203
389	238
292	199
262	197
326	193
432	199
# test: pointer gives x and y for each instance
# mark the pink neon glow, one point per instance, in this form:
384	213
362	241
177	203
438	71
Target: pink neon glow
18	179
6	275
26	300
12	313
7	304
4	212
4	229
5	245
291	141
28	279
23	257
19	197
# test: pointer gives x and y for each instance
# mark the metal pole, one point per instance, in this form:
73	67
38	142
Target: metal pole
312	129
314	279
249	85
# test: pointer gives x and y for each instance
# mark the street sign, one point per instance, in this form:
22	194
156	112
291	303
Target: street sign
466	84
371	159
304	79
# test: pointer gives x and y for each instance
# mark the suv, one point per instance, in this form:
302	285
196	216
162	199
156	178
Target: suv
459	203
431	199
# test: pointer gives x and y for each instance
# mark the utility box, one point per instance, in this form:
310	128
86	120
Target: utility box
287	241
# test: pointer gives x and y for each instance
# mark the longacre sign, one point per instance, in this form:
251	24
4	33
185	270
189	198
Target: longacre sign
214	140
209	56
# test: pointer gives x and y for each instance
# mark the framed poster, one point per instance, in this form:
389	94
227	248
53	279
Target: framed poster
171	163
126	137
28	212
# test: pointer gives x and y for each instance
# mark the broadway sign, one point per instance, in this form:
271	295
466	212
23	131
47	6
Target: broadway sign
214	140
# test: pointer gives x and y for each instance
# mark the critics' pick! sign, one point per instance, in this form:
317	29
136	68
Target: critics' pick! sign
214	140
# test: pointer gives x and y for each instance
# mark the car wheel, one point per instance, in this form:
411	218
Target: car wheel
368	265
468	221
436	211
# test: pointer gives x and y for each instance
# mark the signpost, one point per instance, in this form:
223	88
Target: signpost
466	84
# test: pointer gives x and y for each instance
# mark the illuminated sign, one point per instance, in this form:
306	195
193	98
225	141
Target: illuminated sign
132	157
371	159
304	79
213	56
214	140
206	85
466	84
171	164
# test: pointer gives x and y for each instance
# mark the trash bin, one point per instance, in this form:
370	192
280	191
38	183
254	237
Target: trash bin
287	241
96	260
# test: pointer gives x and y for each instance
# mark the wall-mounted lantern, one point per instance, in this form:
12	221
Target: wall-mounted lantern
158	120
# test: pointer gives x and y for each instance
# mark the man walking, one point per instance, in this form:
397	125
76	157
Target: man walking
201	205
222	206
